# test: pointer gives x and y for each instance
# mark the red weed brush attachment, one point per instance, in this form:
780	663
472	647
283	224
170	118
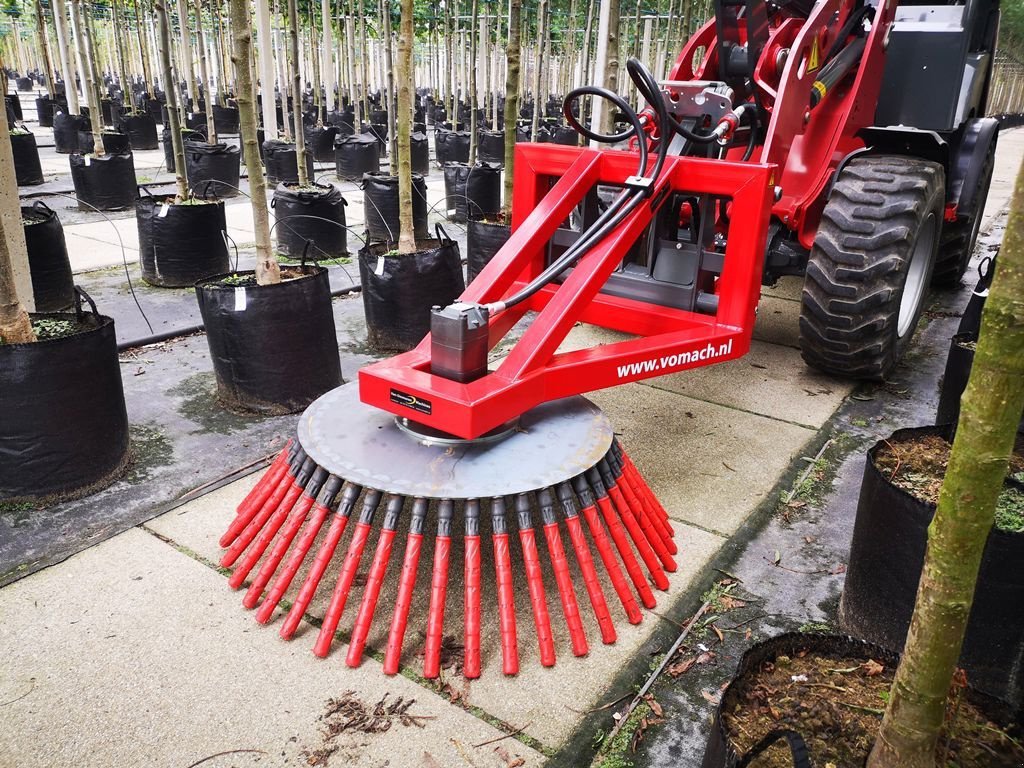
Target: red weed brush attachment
556	481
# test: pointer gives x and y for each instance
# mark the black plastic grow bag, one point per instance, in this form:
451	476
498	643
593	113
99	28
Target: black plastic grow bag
483	240
492	147
419	151
274	347
282	163
310	218
400	290
181	244
53	286
165	139
14	102
27	169
564	134
141	130
886	556
380	206
356	155
320	142
954	380
113	142
451	146
105	183
225	119
65	430
215	163
44	111
65	131
24	83
472	191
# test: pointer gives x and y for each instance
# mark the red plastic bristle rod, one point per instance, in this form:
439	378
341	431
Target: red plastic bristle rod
608	510
406	585
272	526
640	528
643	488
590	578
378	569
471	661
253	502
535	581
588	500
645	515
506	593
321	509
255	525
349	568
288	533
438	590
349	494
560	566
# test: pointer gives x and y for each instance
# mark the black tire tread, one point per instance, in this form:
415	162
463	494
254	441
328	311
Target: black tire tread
854	278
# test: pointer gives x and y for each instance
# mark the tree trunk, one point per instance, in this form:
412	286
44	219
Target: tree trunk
513	55
126	79
327	51
267	78
84	24
989	416
185	48
211	128
140	22
267	270
293	64
473	47
538	69
363	56
44	46
15	327
67	63
406	233
390	80
173	116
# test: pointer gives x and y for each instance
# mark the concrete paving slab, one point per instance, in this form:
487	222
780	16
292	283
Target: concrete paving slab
1009	151
87	254
788	287
708	465
140	656
778	321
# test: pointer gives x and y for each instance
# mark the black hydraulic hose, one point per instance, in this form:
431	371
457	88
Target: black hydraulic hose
636	128
755	126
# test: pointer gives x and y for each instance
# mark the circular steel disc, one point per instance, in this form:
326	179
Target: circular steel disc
553	443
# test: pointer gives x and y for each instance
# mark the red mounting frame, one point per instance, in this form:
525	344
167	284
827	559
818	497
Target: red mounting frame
534	372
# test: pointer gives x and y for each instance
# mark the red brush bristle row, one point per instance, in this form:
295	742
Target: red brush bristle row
606	520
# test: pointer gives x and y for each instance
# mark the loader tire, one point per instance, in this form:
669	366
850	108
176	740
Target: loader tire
956	243
871	264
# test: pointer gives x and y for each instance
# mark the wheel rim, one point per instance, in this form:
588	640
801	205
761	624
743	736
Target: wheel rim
917	274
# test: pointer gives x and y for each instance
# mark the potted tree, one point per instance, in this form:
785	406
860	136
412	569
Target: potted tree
182	236
401	284
60	380
927	719
271	331
138	125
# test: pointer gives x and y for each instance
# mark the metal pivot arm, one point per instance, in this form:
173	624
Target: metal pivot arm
669	340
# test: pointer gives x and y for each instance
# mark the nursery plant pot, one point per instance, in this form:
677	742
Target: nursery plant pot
274	347
792	679
451	146
310	221
472	191
44	111
954	380
141	131
564	134
380	206
213	169
886	557
27	169
484	238
113	142
14	103
225	119
24	83
195	121
355	156
419	151
492	147
65	430
104	183
320	142
282	164
53	285
66	128
182	244
400	290
168	144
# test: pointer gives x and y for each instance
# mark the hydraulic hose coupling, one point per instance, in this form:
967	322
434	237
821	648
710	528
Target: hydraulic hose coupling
728	124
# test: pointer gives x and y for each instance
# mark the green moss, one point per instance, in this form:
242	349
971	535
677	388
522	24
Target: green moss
615	753
199	404
52	328
150	448
18	511
1010	510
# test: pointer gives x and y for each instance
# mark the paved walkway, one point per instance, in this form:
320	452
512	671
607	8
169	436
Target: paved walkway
136	652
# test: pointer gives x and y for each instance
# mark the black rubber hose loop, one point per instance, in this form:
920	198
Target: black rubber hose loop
797	746
40	204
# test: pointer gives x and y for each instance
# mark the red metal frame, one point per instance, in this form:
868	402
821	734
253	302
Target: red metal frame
534	372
